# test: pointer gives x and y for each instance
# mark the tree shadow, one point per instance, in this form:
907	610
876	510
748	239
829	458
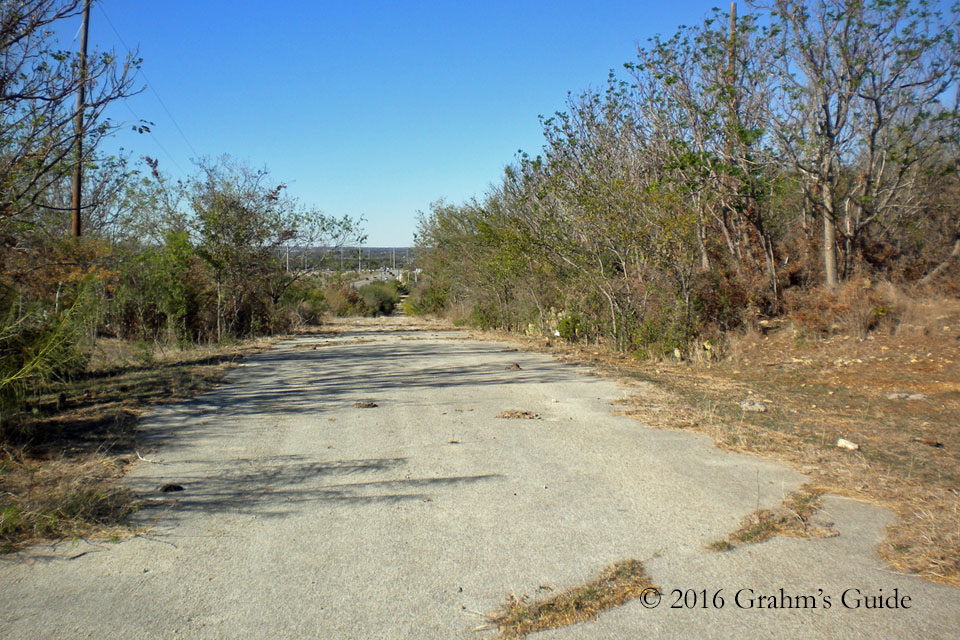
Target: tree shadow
278	486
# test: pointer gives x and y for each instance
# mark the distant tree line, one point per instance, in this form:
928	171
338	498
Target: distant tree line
741	168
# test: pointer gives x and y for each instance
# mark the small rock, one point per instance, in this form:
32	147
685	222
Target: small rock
512	367
753	405
846	444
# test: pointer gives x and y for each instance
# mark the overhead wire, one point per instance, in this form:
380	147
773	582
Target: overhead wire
156	94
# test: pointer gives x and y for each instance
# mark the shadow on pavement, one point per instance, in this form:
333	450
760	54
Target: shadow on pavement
275	486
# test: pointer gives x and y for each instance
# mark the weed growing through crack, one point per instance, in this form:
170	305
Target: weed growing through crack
795	517
615	585
518	414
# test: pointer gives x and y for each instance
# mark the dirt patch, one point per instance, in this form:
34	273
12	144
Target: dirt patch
518	414
365	405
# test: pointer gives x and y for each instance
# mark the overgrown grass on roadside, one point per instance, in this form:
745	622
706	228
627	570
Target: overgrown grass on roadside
62	455
61	499
615	585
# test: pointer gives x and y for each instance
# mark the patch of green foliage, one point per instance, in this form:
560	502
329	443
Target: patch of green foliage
380	298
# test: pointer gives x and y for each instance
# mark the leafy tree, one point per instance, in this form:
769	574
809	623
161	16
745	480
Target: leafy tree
859	85
245	228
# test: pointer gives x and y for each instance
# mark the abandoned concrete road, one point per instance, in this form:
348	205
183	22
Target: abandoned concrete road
305	516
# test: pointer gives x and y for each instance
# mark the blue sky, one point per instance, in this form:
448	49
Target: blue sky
367	108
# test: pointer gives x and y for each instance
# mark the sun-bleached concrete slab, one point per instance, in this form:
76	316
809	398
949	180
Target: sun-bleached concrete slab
304	516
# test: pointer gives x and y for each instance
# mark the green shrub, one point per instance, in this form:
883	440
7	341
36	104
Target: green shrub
40	346
342	300
380	298
569	326
484	316
427	297
663	333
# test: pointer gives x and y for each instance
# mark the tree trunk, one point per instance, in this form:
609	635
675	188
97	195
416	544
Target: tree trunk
943	265
829	238
702	240
219	310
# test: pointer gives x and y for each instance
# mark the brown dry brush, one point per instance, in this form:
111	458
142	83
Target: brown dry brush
615	585
61	499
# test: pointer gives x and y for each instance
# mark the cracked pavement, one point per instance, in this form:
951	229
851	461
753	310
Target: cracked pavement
303	516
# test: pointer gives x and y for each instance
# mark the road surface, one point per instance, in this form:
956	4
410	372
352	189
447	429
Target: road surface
305	516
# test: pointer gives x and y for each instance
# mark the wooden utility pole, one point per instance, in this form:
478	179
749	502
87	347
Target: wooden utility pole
78	121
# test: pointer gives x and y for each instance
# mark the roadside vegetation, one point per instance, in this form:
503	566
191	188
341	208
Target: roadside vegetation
377	298
160	287
893	393
74	438
723	178
760	211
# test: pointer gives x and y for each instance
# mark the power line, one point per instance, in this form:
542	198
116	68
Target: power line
140	71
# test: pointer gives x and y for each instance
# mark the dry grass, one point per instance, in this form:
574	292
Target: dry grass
395	323
795	518
820	389
61	458
61	499
615	585
95	411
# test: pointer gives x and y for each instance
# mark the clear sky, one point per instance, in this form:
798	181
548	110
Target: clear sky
367	108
